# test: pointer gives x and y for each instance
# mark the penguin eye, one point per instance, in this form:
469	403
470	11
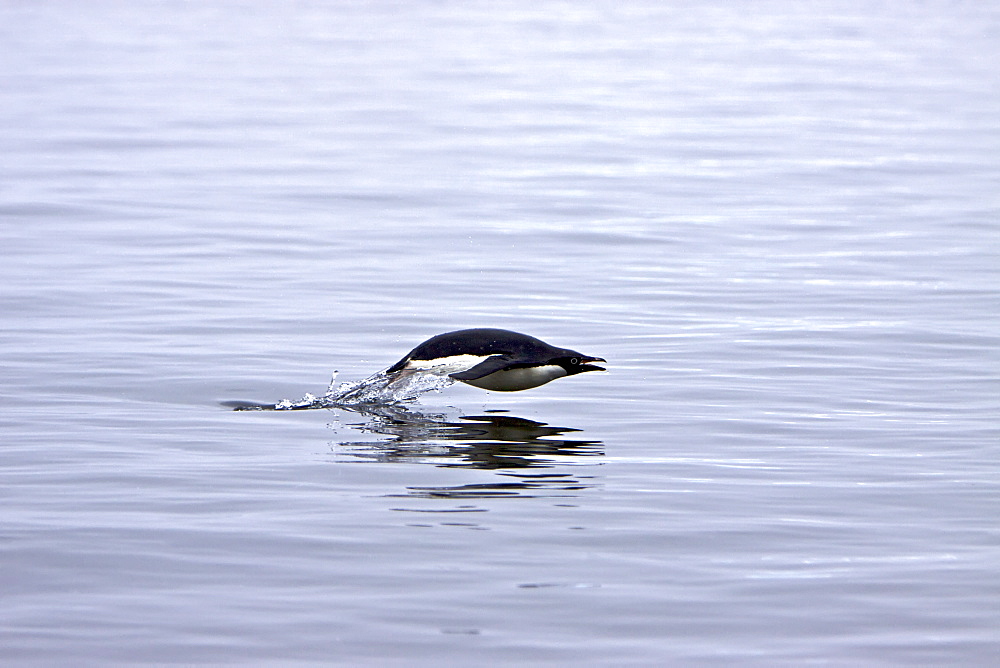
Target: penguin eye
574	361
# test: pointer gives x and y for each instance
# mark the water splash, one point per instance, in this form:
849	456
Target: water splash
382	388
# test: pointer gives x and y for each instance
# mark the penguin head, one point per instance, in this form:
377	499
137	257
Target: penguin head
573	362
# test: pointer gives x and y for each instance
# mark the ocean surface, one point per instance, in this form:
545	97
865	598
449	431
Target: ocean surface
779	222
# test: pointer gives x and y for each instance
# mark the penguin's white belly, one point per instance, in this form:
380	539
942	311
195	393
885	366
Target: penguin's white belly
444	366
515	380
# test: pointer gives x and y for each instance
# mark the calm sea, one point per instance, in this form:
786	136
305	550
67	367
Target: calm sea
778	221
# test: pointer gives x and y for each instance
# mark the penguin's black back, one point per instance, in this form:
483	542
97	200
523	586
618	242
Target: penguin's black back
483	341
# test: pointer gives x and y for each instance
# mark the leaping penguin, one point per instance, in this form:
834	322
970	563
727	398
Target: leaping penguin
495	359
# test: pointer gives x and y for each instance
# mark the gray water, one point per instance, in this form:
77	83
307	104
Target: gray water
777	221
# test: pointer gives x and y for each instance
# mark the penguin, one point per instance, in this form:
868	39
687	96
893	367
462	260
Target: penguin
495	359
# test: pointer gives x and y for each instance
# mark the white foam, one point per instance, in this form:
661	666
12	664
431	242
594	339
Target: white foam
382	388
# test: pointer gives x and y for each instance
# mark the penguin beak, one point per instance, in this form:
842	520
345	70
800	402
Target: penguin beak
586	363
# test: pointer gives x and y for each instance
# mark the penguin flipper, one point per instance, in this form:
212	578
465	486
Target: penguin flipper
484	368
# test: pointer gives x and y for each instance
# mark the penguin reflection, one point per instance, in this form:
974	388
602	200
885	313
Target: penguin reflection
491	441
494	442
